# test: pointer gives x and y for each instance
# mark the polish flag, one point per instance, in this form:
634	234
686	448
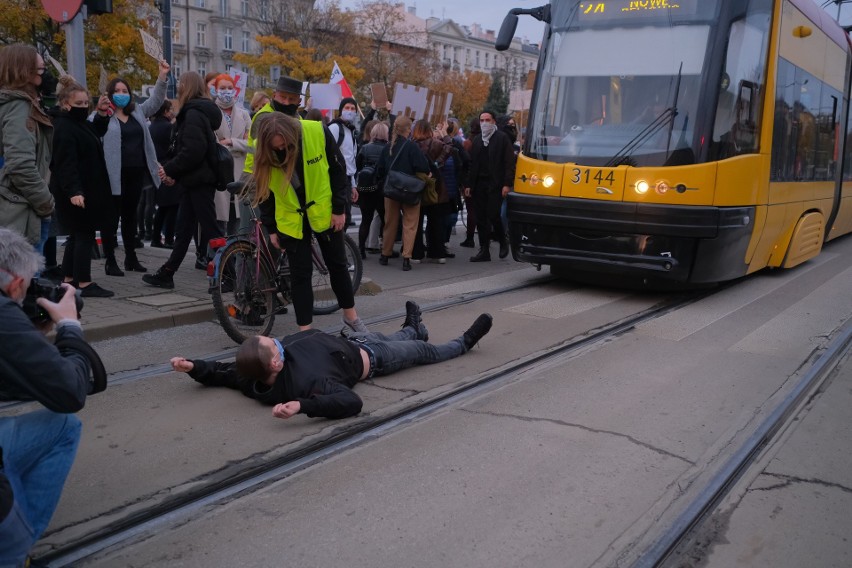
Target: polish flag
338	79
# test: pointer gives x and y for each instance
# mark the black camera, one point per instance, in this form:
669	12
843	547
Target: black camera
43	288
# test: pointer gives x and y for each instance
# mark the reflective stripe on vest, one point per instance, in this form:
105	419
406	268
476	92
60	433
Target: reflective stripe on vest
317	184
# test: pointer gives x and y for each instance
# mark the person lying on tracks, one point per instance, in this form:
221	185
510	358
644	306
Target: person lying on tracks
312	373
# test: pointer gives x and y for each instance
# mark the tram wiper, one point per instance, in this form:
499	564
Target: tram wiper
665	118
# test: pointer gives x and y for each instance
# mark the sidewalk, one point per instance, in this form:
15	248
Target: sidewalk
138	307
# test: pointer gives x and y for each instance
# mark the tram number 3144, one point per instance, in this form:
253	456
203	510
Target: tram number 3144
585	175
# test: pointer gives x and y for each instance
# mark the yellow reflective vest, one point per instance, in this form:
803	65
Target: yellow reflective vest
316	183
249	167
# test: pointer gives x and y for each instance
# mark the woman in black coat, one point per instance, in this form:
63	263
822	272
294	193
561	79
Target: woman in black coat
191	165
79	184
167	197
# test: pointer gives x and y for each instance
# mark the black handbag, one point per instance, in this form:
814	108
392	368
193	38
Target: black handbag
403	187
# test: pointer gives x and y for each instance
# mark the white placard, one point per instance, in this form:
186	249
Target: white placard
103	81
409	100
325	96
57	65
520	100
152	45
240	85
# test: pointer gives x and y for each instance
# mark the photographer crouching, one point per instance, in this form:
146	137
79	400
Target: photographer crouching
37	448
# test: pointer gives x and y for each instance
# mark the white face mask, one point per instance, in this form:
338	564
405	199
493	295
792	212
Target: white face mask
225	97
487	128
348	115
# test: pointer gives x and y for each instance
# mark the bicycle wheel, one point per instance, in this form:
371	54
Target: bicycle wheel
244	300
325	302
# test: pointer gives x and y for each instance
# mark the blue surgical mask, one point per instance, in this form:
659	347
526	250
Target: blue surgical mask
280	349
348	115
213	92
121	100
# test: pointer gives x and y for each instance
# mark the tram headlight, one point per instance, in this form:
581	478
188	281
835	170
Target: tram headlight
662	187
642	187
534	179
548	181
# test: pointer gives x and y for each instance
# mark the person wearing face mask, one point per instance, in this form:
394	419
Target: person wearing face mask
234	135
343	130
190	164
492	173
80	184
210	79
286	99
131	162
25	200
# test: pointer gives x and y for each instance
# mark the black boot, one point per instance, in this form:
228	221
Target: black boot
484	255
468	243
363	252
504	247
477	331
163	278
111	268
383	260
412	319
131	263
406	264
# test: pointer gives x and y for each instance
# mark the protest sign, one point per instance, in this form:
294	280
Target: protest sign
409	100
152	45
57	65
325	96
520	100
240	86
438	106
380	95
103	80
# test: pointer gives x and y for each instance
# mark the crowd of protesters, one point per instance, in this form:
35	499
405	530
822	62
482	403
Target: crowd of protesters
141	170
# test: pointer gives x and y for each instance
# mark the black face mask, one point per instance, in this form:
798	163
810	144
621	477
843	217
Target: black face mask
512	132
289	110
280	155
78	113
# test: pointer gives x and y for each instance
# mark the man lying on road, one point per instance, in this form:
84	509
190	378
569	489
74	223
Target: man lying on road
313	373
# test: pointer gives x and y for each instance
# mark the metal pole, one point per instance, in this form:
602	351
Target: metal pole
167	43
76	48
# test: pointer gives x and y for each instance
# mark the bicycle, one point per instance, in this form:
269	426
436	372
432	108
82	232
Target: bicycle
250	281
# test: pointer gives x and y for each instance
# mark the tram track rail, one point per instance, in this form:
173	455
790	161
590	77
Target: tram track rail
666	546
250	479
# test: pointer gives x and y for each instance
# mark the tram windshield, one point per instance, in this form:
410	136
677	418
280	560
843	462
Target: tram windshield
621	82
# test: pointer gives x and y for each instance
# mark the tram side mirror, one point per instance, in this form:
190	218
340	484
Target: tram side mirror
507	32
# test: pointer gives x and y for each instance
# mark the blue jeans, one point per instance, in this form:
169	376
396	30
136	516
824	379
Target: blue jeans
403	350
38	450
45	234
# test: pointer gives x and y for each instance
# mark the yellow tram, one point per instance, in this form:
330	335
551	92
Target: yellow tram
688	141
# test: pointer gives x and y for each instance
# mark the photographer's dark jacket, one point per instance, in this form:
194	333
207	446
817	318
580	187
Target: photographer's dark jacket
319	372
33	369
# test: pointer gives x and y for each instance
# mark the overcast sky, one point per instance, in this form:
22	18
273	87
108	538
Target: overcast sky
488	13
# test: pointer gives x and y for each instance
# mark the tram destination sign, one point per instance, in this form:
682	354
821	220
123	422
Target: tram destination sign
626	10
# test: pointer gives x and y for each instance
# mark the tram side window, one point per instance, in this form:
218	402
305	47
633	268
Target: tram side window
803	134
738	113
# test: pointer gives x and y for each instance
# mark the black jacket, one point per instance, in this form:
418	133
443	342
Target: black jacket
319	371
369	155
161	135
33	369
78	168
410	160
497	159
194	149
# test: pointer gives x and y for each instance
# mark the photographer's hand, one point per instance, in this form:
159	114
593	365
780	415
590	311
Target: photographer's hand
182	365
65	309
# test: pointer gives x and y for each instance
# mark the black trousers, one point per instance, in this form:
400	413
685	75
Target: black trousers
77	259
487	201
164	223
333	248
371	202
126	204
196	208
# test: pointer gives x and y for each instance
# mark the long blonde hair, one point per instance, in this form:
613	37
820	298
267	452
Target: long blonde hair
191	86
270	125
401	127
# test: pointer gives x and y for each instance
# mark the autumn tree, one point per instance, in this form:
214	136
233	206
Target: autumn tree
396	51
297	61
111	40
470	91
498	98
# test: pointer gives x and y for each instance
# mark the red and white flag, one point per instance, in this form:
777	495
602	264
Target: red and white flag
337	78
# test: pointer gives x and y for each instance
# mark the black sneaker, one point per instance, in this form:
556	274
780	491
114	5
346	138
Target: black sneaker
504	248
163	278
468	243
477	331
95	291
413	319
383	260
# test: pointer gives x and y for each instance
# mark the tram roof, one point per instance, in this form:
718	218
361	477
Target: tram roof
823	21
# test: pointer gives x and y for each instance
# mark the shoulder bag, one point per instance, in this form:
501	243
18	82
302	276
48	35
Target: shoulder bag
403	187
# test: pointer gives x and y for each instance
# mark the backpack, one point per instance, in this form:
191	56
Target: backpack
220	160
